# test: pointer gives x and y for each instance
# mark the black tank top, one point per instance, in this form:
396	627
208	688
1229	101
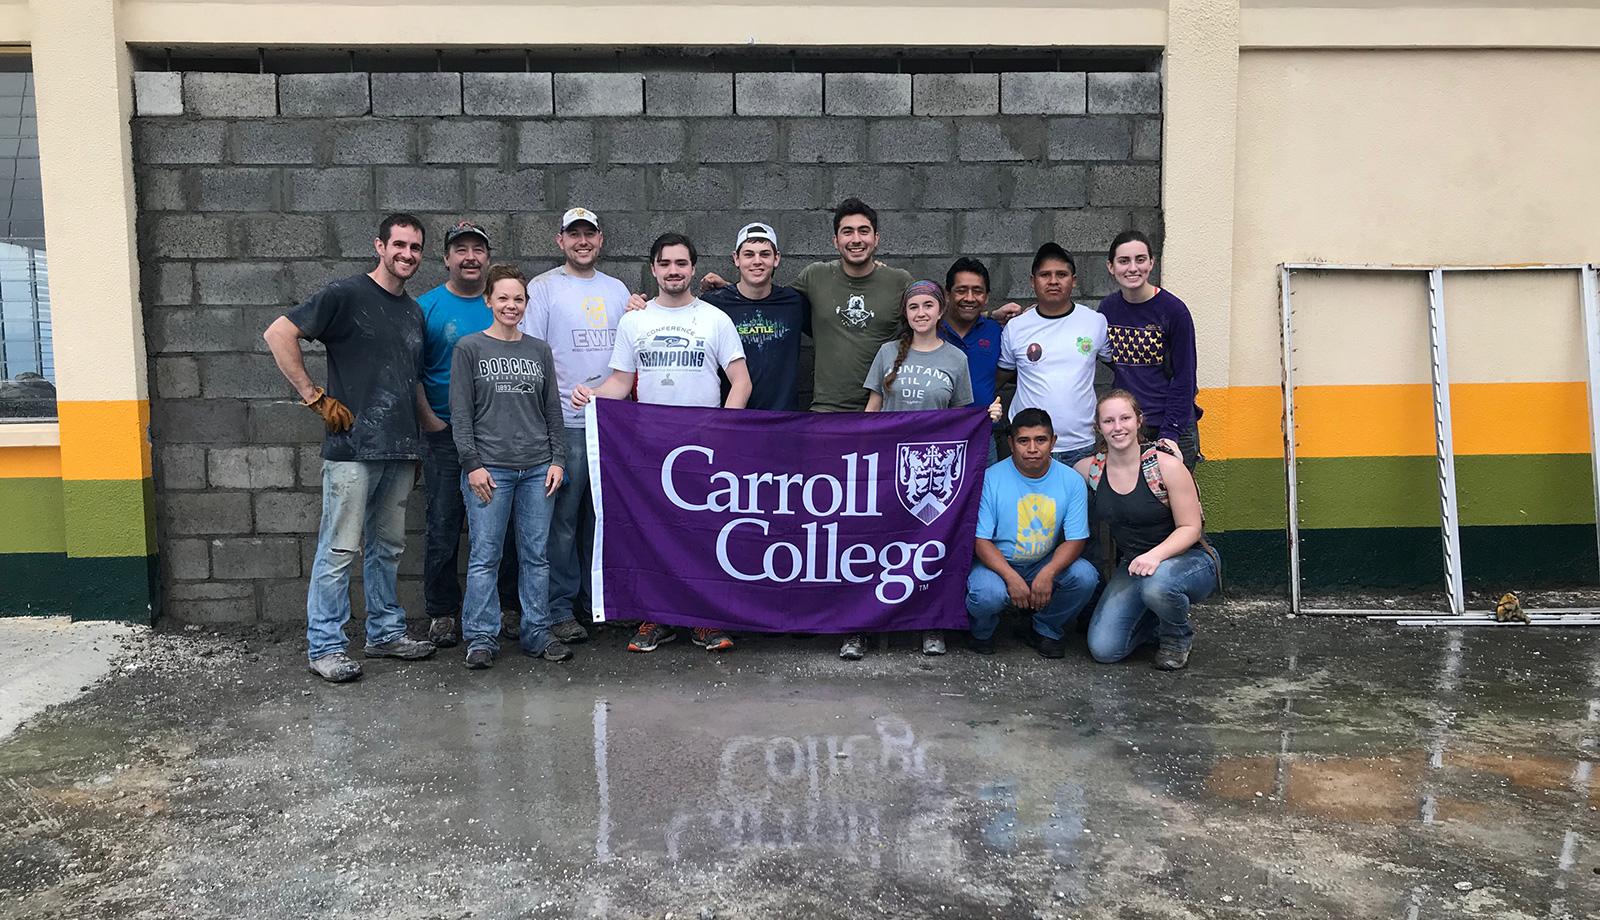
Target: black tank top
1139	521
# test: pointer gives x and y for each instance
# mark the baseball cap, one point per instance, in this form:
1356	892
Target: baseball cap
577	214
465	228
758	230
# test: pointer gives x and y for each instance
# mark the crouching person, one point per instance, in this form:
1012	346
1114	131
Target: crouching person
505	407
1148	500
1033	522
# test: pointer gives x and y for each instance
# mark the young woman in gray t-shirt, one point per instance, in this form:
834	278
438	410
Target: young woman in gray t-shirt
917	370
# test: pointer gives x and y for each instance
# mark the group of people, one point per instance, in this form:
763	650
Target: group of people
494	407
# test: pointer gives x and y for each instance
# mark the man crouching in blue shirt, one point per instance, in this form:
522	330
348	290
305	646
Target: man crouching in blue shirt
1033	522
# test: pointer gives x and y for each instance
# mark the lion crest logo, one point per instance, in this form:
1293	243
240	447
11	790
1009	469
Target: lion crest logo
929	476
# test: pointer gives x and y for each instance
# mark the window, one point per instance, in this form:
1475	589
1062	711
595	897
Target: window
27	361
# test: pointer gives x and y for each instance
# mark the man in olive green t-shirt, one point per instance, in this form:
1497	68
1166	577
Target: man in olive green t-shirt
855	306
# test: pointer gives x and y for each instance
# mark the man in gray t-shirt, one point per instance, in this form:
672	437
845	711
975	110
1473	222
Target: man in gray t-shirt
938	379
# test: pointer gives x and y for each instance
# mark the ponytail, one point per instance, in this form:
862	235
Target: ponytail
899	355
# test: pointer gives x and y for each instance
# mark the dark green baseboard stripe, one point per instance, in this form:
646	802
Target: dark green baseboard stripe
1411	558
84	588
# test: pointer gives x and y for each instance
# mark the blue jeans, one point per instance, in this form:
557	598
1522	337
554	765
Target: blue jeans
1136	609
518	501
572	533
363	510
441	487
987	596
1069	457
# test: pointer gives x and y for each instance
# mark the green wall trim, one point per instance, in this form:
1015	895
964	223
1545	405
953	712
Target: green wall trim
1365	492
109	517
1495	559
54	584
35	521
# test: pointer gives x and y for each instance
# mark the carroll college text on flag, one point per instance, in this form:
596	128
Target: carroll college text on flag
784	521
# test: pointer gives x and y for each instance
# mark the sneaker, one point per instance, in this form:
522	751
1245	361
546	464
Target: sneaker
1171	658
442	632
854	648
983	646
712	639
1045	646
479	658
510	624
570	632
555	651
336	668
932	642
651	635
404	647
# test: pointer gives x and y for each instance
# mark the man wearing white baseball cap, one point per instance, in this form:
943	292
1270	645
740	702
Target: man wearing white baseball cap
575	307
769	317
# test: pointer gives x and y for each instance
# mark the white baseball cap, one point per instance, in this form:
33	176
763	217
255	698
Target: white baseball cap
757	230
577	214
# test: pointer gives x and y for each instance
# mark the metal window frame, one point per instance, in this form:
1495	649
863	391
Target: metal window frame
1444	452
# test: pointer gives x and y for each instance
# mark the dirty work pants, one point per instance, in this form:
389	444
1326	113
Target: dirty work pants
987	596
363	510
1136	609
572	534
441	488
518	501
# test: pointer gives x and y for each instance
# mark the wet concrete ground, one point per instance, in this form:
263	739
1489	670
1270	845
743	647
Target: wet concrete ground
1299	768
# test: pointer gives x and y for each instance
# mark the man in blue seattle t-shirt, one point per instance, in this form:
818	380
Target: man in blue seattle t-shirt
450	311
1033	522
769	318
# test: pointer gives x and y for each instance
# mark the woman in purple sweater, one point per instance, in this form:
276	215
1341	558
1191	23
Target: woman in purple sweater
1150	344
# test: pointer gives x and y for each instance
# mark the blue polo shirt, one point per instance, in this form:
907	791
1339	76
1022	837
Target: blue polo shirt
982	347
446	318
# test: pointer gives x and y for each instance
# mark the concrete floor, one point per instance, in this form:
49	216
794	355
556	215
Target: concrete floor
1299	768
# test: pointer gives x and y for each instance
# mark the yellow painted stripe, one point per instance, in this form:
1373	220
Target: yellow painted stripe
30	463
1396	420
105	439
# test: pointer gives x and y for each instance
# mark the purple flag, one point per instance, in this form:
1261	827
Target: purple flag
784	521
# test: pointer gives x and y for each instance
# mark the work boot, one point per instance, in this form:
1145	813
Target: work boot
404	647
570	632
1046	646
983	646
442	632
1171	658
932	642
555	651
480	658
854	648
712	639
336	668
510	624
650	637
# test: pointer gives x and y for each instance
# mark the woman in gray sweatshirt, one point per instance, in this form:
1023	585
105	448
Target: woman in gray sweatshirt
505	409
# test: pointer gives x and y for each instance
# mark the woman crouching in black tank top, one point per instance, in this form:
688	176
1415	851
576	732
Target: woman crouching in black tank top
1148	500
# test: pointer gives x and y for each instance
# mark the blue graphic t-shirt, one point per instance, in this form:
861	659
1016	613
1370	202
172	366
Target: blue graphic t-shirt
446	318
1026	519
770	330
982	347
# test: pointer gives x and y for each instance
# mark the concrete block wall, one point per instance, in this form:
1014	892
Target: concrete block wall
256	189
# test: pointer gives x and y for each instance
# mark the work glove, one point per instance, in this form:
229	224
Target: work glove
334	414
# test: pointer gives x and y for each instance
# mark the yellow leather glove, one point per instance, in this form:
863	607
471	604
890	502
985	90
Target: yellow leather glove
335	417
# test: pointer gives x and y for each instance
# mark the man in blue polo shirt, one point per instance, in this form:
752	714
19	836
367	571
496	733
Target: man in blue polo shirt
450	311
967	328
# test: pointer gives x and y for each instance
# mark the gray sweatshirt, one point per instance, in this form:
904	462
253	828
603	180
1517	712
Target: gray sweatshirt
505	407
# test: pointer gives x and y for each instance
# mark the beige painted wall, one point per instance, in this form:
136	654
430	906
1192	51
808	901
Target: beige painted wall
1453	156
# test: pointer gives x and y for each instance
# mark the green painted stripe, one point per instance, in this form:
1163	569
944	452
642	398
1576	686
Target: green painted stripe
110	517
1364	492
53	584
1494	559
33	516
